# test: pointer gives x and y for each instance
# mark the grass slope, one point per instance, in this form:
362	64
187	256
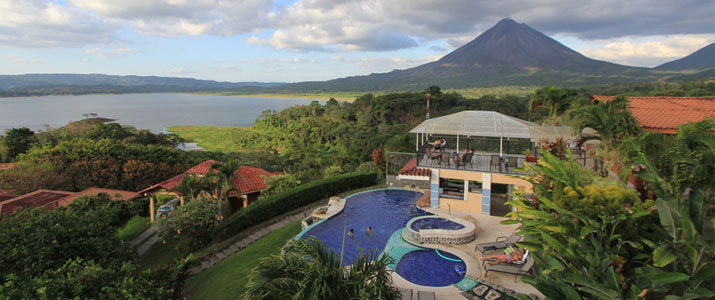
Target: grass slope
227	279
220	139
135	226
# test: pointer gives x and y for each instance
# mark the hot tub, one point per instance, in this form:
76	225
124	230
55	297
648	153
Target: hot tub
443	229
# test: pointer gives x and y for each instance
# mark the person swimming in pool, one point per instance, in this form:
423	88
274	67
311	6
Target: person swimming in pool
351	234
369	230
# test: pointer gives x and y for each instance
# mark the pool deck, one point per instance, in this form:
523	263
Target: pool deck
488	228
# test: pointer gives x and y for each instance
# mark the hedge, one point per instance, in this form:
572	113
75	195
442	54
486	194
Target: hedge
275	205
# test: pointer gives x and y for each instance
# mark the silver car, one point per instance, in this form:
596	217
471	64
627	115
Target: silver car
165	209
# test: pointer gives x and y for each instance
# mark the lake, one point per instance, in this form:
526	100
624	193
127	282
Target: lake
143	111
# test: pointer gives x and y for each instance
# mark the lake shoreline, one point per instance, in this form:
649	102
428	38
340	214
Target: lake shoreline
152	111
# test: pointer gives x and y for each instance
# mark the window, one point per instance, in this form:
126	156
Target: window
451	188
475	187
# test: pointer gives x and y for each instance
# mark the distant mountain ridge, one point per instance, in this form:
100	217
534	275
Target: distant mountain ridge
509	53
49	80
698	60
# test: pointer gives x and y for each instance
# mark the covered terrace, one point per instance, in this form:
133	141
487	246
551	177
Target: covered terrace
500	142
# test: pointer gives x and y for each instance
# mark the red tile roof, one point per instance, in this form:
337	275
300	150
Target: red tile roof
123	195
200	169
664	114
7	166
246	179
250	179
39	198
411	169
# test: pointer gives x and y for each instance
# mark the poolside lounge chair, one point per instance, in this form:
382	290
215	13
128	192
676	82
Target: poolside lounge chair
406	293
515	269
424	295
500	243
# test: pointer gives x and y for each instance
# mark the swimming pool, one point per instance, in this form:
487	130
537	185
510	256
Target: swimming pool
385	210
435	223
430	267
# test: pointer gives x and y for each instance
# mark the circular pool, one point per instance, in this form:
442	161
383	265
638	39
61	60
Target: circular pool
431	267
435	223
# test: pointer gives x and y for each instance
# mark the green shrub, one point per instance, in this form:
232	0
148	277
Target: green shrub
291	199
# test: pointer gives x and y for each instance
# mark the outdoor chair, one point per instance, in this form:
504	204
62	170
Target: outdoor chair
500	243
511	163
515	269
435	155
495	163
444	159
467	160
424	295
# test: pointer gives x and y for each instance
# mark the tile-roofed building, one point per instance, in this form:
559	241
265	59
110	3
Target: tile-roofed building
200	169
248	182
7	166
123	195
39	198
665	114
250	179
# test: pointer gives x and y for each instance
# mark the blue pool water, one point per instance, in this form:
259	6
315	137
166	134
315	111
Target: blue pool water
427	267
385	211
435	223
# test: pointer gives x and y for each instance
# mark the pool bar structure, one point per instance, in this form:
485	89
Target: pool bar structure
443	229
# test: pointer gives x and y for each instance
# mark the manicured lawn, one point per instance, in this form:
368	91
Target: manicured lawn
227	279
135	226
159	254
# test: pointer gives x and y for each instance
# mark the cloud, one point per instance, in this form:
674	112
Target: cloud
379	25
116	52
648	52
37	23
184	17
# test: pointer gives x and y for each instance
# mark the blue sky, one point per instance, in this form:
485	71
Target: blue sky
290	41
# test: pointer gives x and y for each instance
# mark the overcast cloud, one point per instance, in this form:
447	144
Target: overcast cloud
634	32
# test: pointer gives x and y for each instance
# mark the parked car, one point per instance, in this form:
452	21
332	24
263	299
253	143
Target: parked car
165	209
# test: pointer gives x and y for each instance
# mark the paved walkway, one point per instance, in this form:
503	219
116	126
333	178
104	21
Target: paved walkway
250	239
142	239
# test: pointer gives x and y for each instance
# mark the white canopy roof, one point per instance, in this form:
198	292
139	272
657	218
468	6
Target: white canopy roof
490	124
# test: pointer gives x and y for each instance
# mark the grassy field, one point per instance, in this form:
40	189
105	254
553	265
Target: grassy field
227	279
213	138
135	226
340	96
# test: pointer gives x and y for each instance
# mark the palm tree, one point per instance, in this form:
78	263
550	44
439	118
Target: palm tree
556	100
311	270
612	122
222	175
